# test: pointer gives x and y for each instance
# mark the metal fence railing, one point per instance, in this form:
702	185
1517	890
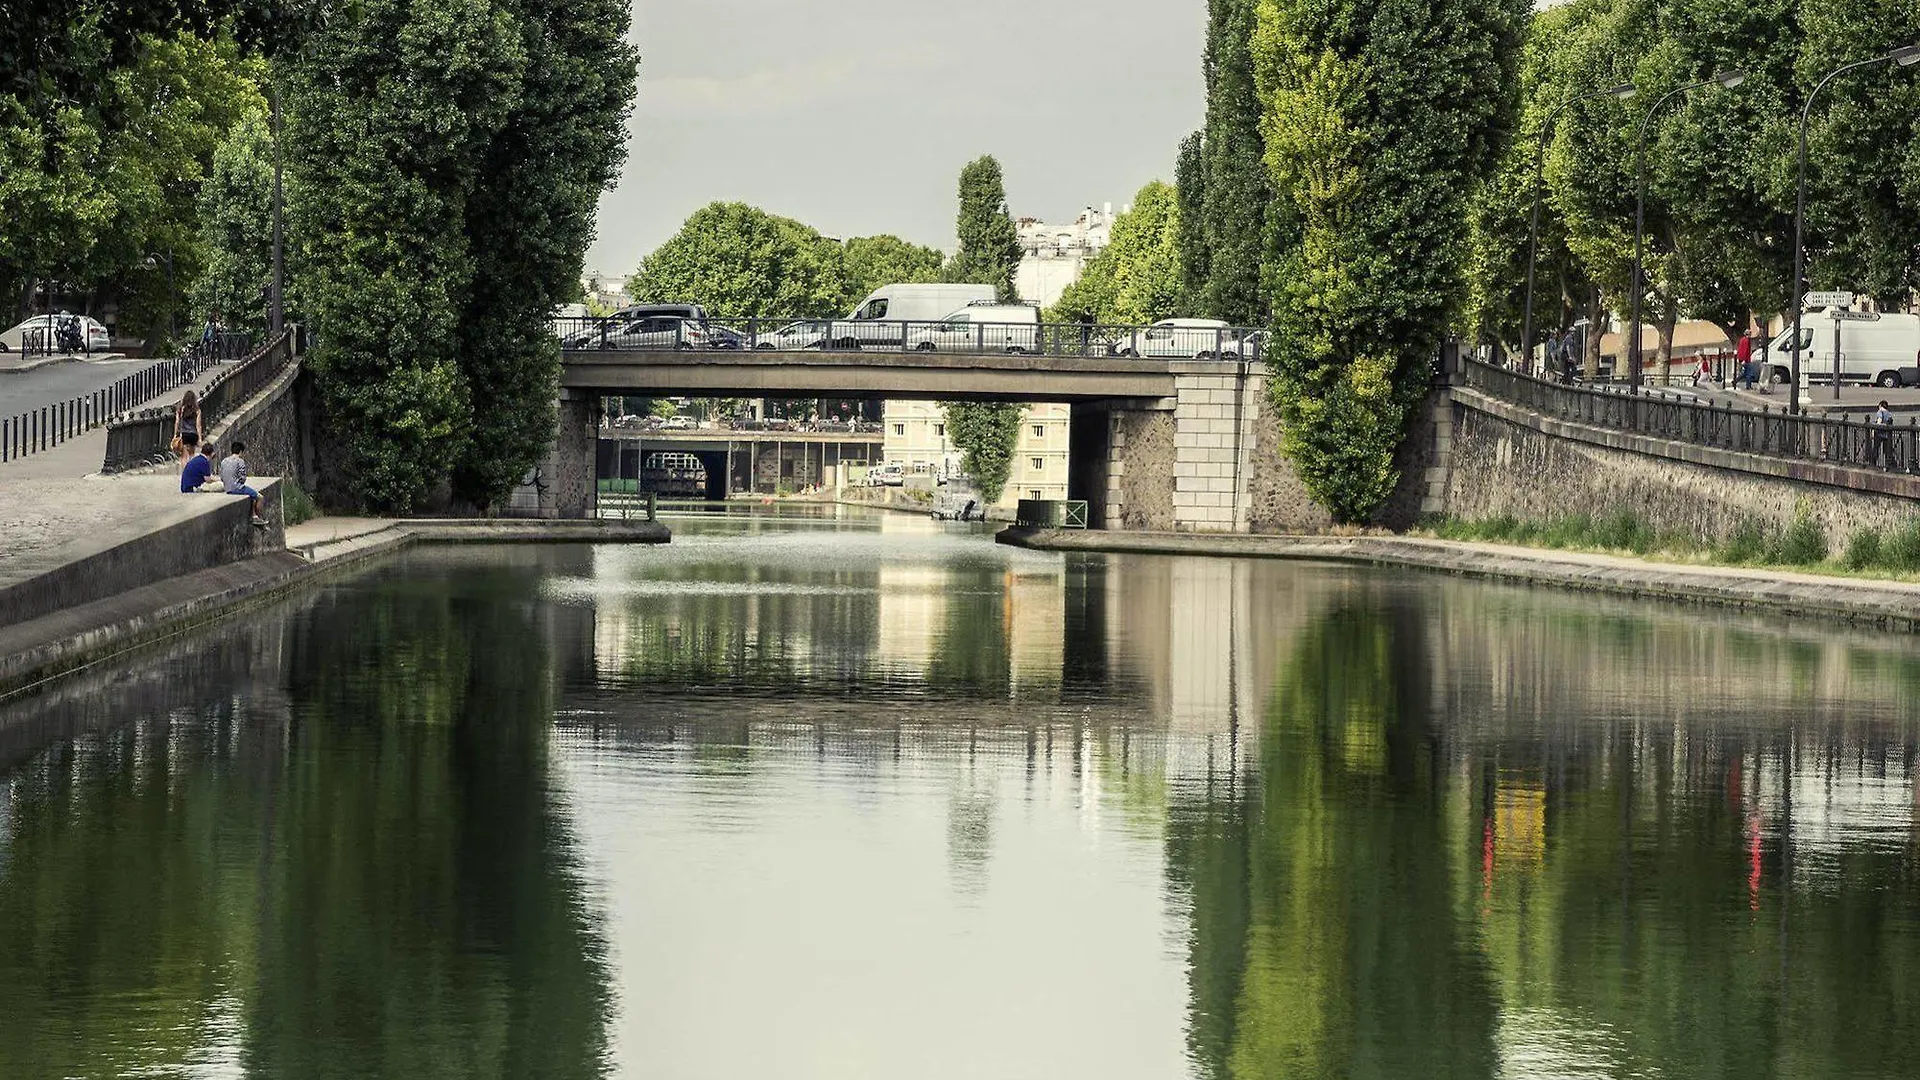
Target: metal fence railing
50	425
143	437
1051	513
1839	440
955	334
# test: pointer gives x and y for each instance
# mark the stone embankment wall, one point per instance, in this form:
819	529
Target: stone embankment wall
1509	462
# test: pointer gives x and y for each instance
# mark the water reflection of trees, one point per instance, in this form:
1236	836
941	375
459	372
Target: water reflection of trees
1495	832
361	874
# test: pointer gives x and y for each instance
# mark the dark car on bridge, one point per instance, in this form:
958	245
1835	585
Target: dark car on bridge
643	326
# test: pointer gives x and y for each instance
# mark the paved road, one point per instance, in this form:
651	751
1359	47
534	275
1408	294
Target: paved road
23	391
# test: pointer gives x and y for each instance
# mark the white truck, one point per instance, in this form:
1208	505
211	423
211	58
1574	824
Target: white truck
881	320
1882	348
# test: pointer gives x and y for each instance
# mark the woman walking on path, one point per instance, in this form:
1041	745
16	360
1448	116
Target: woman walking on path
186	426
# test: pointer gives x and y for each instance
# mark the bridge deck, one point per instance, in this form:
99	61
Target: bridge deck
878	374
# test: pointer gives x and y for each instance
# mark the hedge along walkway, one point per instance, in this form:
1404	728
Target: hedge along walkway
1891	604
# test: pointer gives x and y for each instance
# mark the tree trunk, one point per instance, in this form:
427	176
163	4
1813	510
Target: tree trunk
1665	329
1596	329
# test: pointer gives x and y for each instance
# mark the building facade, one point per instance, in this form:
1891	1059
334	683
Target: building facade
1054	256
915	436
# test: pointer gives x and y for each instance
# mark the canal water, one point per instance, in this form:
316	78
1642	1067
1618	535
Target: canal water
855	796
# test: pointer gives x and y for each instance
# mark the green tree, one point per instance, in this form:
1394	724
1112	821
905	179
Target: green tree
874	261
1190	180
743	263
987	433
172	108
236	227
989	251
1138	278
1237	188
391	112
1863	178
530	221
1377	130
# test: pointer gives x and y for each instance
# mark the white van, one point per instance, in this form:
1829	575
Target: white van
880	319
1201	339
1882	348
982	327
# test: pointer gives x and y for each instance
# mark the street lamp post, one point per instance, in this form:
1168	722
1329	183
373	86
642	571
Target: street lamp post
1905	56
153	262
1725	79
1533	222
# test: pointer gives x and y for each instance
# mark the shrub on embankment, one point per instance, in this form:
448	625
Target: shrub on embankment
1750	543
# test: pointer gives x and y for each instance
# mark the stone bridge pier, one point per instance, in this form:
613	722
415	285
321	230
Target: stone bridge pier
1184	463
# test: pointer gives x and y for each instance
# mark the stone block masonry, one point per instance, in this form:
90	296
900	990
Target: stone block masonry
1216	413
1508	462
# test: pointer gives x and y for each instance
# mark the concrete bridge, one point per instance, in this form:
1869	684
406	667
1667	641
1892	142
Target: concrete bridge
1158	442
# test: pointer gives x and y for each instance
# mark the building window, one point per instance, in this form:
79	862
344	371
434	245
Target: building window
1039	464
1034	494
900	429
1039	431
940	430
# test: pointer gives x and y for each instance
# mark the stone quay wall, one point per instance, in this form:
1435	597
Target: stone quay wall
1507	461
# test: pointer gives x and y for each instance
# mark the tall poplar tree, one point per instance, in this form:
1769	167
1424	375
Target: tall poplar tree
530	221
1237	190
392	107
1190	180
1380	122
989	249
449	158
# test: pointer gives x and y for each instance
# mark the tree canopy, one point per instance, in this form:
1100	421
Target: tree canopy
989	251
1138	278
1377	129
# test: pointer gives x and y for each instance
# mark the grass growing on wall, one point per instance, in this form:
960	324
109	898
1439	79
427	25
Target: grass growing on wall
296	505
1802	544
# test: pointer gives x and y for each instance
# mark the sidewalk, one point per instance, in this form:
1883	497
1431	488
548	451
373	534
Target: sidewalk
82	455
13	361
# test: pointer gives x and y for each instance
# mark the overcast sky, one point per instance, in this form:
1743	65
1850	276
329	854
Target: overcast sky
855	116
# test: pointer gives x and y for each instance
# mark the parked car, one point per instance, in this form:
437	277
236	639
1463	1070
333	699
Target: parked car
640	327
724	337
890	474
679	423
794	337
37	331
650	332
1201	339
1013	328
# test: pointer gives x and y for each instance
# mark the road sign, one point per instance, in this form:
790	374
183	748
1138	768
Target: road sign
1856	316
1829	299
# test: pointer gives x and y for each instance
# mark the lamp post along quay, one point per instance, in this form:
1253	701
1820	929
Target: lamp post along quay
1621	92
1637	286
1904	56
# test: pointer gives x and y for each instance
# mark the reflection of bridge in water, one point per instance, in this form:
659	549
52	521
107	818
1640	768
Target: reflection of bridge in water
714	463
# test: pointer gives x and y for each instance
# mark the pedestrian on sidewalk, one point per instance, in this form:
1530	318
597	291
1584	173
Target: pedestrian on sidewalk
1882	454
1743	356
210	337
186	425
233	477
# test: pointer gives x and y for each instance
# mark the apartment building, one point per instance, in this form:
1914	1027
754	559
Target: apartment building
915	436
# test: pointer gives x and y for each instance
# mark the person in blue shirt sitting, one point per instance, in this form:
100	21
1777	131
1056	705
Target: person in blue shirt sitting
198	470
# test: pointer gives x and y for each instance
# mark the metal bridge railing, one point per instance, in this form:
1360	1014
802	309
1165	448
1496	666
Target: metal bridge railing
1837	440
951	335
143	438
